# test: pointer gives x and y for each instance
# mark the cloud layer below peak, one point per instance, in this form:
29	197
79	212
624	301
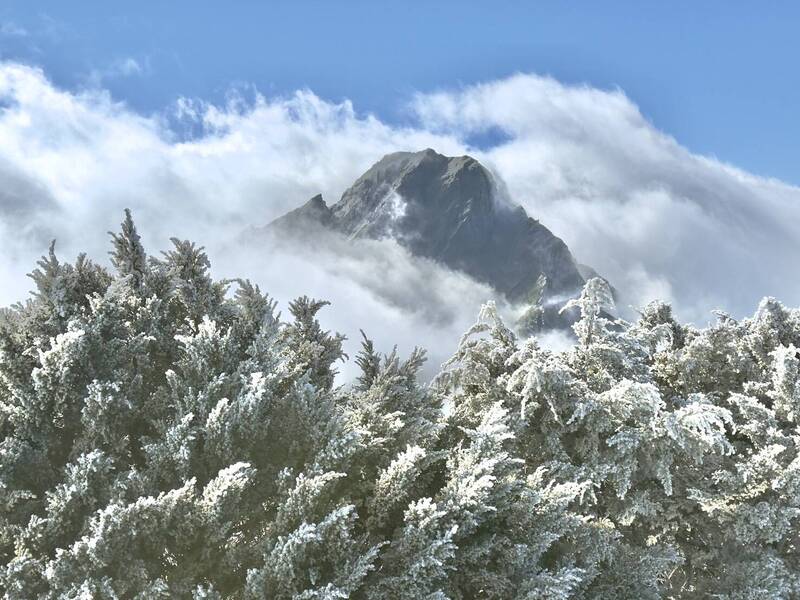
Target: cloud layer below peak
657	220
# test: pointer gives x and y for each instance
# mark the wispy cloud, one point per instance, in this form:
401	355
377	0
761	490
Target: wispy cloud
656	219
127	67
11	29
53	29
628	199
119	68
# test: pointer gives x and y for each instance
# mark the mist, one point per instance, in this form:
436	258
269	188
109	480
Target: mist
655	219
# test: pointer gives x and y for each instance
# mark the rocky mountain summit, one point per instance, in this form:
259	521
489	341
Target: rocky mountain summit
451	210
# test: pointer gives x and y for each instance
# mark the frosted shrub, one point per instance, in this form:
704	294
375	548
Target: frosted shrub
166	435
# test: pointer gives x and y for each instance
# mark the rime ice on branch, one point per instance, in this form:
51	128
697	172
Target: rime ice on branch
162	438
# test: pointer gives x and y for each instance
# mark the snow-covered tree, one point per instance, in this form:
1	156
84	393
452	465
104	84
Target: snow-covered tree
166	435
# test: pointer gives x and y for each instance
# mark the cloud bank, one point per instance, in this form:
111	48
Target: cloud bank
374	285
654	218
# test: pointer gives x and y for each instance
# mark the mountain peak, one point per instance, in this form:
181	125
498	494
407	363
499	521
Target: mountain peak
314	213
446	208
317	202
410	189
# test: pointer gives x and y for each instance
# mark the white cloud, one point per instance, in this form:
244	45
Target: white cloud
127	67
119	68
377	286
84	157
628	199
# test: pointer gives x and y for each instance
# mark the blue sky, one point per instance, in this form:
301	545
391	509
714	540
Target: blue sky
721	77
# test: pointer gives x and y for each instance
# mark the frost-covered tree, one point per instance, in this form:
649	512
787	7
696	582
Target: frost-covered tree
685	439
166	435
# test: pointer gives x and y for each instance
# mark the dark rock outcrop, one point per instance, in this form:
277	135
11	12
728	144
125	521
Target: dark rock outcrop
314	213
449	209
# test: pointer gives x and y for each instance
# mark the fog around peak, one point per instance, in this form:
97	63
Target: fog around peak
655	219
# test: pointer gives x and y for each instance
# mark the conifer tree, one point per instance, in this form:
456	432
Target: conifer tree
128	254
160	437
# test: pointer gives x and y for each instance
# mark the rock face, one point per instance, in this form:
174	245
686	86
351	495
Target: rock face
447	209
314	213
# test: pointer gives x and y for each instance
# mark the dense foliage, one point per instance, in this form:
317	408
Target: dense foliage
164	435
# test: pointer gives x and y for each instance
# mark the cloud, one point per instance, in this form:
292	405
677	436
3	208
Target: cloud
374	285
656	219
127	67
120	68
11	29
85	157
627	198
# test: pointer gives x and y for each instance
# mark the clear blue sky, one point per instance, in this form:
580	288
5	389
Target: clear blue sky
722	77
